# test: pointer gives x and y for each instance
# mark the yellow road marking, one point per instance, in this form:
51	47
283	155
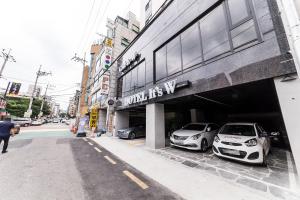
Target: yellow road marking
97	149
136	180
110	160
90	144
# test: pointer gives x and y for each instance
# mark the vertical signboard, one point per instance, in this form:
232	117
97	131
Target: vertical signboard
93	117
107	58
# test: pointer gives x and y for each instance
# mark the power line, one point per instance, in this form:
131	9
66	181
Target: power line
93	24
86	24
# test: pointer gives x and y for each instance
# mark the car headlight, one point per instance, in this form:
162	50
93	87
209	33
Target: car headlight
195	137
217	139
251	143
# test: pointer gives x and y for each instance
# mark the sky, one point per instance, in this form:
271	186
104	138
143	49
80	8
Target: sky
49	33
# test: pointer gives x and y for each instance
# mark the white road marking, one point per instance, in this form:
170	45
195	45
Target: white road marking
110	160
85	139
136	180
97	149
90	144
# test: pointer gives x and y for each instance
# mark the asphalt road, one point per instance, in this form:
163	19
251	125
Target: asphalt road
52	164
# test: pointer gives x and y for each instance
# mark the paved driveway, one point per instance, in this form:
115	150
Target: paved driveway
278	177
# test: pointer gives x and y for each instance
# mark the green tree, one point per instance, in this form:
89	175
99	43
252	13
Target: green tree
17	106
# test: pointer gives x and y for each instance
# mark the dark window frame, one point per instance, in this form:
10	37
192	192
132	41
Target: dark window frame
230	27
129	71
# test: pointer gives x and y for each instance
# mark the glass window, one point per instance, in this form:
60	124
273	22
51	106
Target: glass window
134	77
141	75
160	59
238	10
191	47
174	56
127	81
241	130
243	34
149	71
214	33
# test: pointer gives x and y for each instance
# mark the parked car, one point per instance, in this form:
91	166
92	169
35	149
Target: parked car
67	122
22	121
55	120
247	142
132	132
195	136
37	122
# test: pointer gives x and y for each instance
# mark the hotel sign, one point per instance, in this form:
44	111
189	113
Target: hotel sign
152	93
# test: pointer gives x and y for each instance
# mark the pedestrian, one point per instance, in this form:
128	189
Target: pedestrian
6	129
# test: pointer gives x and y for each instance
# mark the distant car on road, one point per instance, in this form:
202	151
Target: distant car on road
132	132
22	121
246	142
195	136
67	122
37	122
55	121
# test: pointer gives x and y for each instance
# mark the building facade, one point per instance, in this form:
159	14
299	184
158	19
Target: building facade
120	33
210	61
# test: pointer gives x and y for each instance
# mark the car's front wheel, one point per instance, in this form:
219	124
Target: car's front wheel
204	145
131	135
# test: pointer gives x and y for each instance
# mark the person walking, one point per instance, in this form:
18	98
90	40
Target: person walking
6	129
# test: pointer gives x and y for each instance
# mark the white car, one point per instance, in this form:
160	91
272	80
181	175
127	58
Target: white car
37	122
195	136
247	142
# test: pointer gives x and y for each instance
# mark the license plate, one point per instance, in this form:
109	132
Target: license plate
178	142
232	152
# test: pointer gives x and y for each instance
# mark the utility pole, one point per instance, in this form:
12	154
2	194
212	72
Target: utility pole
38	74
44	99
7	57
83	61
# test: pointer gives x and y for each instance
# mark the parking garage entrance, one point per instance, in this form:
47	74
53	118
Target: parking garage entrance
252	102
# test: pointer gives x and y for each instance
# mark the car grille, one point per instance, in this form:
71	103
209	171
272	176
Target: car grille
180	137
120	132
242	153
231	143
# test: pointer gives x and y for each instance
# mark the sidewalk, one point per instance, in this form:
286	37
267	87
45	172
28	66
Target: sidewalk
188	182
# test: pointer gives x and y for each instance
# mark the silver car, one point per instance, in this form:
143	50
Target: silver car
132	132
195	136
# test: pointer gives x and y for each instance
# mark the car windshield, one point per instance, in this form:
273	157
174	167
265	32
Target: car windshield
242	130
197	127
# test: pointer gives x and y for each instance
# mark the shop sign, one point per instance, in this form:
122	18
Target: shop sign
107	58
93	117
155	92
109	42
105	84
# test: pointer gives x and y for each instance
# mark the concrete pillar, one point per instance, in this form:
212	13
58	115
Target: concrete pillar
102	119
193	115
155	126
289	99
121	121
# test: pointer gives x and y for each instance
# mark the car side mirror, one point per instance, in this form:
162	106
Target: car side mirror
275	134
208	129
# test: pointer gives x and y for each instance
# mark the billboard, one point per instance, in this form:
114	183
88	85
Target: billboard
14	89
